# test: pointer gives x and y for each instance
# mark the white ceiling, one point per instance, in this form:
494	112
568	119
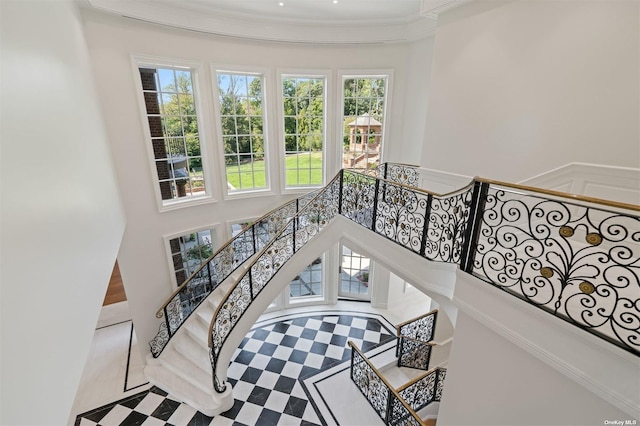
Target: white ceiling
303	21
325	11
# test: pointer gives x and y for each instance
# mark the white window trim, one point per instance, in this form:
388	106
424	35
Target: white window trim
349	73
327	163
267	119
202	111
216	242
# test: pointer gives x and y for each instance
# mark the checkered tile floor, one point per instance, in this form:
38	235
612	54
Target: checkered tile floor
266	374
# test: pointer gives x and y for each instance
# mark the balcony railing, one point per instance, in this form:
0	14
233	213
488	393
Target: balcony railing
395	407
575	257
218	267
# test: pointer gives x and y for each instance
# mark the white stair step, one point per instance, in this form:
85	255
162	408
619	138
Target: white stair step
209	403
191	349
188	371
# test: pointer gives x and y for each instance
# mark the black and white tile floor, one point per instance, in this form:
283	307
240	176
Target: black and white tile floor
268	373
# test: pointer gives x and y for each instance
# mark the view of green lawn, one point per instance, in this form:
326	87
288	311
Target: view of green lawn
302	170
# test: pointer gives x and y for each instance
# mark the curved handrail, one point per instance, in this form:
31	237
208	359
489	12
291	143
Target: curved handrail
388	402
216	269
494	233
298	230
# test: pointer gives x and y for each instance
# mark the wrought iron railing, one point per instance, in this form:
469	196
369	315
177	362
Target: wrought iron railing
420	328
309	220
414	353
394	407
213	271
575	257
424	389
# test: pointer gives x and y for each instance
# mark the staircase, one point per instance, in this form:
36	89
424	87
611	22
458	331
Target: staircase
503	234
401	392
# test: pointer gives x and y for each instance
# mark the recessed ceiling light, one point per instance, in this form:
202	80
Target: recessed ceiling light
335	1
281	4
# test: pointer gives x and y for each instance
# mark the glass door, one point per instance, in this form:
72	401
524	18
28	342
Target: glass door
354	275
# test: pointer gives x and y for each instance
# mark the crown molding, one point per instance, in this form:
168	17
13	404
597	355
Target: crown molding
264	29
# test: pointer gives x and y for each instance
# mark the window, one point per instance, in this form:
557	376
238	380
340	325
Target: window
173	126
308	282
363	120
303	100
240	97
354	274
189	251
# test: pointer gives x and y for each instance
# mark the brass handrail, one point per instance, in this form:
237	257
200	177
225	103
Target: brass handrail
387	384
402	324
418	378
554	193
259	254
160	311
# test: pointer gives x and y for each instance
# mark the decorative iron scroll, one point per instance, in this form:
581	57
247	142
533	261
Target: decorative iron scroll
358	195
448	222
578	262
420	328
401	215
370	384
399	173
218	267
424	390
392	406
316	214
413	353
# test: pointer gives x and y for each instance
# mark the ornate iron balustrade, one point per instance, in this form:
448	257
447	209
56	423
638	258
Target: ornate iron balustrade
419	328
505	234
218	267
424	390
309	220
574	257
405	174
414	353
389	404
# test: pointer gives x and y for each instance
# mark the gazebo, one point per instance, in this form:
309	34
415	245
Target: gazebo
364	126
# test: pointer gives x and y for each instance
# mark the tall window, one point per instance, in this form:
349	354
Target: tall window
308	282
173	125
241	120
189	251
354	274
303	111
363	120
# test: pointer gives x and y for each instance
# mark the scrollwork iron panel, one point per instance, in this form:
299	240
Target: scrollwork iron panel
421	328
442	374
277	254
399	415
580	263
230	312
370	384
358	195
414	353
421	393
401	173
448	221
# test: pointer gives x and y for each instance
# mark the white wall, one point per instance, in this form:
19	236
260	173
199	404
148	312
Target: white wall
419	63
522	87
62	219
142	259
492	382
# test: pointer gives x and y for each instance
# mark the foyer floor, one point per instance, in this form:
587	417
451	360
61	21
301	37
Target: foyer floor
291	369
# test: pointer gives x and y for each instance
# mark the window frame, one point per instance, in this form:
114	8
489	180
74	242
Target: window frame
365	73
197	70
327	161
216	243
266	76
